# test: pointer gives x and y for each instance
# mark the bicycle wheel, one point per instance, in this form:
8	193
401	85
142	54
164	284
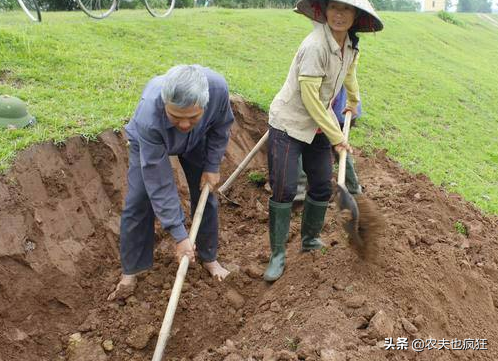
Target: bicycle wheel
98	9
160	8
31	9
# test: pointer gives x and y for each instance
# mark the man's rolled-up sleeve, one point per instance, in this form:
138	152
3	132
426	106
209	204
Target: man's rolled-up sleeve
160	182
217	136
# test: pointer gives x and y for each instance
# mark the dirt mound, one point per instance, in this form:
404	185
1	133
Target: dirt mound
59	258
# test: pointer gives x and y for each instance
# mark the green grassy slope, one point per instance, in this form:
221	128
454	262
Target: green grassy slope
428	87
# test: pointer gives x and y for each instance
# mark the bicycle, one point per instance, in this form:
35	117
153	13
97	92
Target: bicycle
31	8
100	9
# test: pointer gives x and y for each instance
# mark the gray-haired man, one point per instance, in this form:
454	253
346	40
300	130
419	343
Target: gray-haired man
185	112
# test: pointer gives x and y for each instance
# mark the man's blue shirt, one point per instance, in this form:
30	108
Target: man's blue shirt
157	139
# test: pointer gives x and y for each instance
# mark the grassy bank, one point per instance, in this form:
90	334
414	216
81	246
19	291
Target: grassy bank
428	87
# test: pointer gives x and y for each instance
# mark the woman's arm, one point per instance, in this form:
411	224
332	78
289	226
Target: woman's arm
310	90
352	87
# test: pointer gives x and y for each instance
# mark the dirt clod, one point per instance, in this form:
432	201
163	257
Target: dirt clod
355	302
82	349
408	326
381	326
233	357
331	355
140	336
108	345
236	299
254	271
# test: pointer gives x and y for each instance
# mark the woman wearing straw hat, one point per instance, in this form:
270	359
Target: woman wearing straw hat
301	125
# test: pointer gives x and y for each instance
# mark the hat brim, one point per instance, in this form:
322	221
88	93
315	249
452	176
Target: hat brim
368	21
19	123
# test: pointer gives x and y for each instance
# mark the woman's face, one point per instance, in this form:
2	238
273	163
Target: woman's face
340	16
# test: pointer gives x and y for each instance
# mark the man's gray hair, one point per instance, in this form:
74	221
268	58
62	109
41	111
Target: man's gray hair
185	86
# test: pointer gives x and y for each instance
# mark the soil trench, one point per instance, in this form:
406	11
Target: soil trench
434	275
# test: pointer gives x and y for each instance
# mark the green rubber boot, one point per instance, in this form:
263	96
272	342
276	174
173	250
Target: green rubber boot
280	214
312	223
352	183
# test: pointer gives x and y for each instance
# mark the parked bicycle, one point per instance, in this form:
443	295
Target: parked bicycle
31	8
100	9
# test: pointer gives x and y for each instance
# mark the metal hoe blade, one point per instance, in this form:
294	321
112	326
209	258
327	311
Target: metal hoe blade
350	221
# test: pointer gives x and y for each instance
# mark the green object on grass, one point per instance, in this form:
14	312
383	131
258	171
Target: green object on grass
14	113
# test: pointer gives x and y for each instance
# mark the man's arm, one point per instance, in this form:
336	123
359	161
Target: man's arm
158	177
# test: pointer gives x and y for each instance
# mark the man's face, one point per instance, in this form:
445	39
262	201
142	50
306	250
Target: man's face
184	119
340	16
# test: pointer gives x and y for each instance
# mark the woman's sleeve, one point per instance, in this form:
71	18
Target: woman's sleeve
311	60
351	85
310	90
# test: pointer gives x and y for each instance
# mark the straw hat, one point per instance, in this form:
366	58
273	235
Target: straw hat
367	21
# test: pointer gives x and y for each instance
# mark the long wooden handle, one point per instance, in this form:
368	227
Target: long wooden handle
180	278
244	163
341	177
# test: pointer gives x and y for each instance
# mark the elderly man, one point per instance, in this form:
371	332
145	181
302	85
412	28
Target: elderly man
185	112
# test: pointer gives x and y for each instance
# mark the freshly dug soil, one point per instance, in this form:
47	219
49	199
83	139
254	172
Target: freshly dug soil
59	259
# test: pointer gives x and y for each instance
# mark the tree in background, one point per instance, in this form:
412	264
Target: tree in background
382	4
244	4
396	5
406	5
8	5
484	7
474	6
464	6
51	5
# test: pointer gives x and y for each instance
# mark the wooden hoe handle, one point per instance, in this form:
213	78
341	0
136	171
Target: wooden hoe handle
244	163
341	178
180	277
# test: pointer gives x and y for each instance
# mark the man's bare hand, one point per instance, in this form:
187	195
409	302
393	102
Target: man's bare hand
354	111
184	248
212	179
343	146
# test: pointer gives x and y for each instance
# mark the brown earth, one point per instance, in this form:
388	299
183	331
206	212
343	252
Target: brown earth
59	259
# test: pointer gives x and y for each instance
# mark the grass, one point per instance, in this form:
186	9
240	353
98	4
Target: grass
449	18
461	228
291	343
428	87
257	178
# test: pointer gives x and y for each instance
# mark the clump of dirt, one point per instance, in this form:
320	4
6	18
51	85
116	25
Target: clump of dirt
59	259
8	77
